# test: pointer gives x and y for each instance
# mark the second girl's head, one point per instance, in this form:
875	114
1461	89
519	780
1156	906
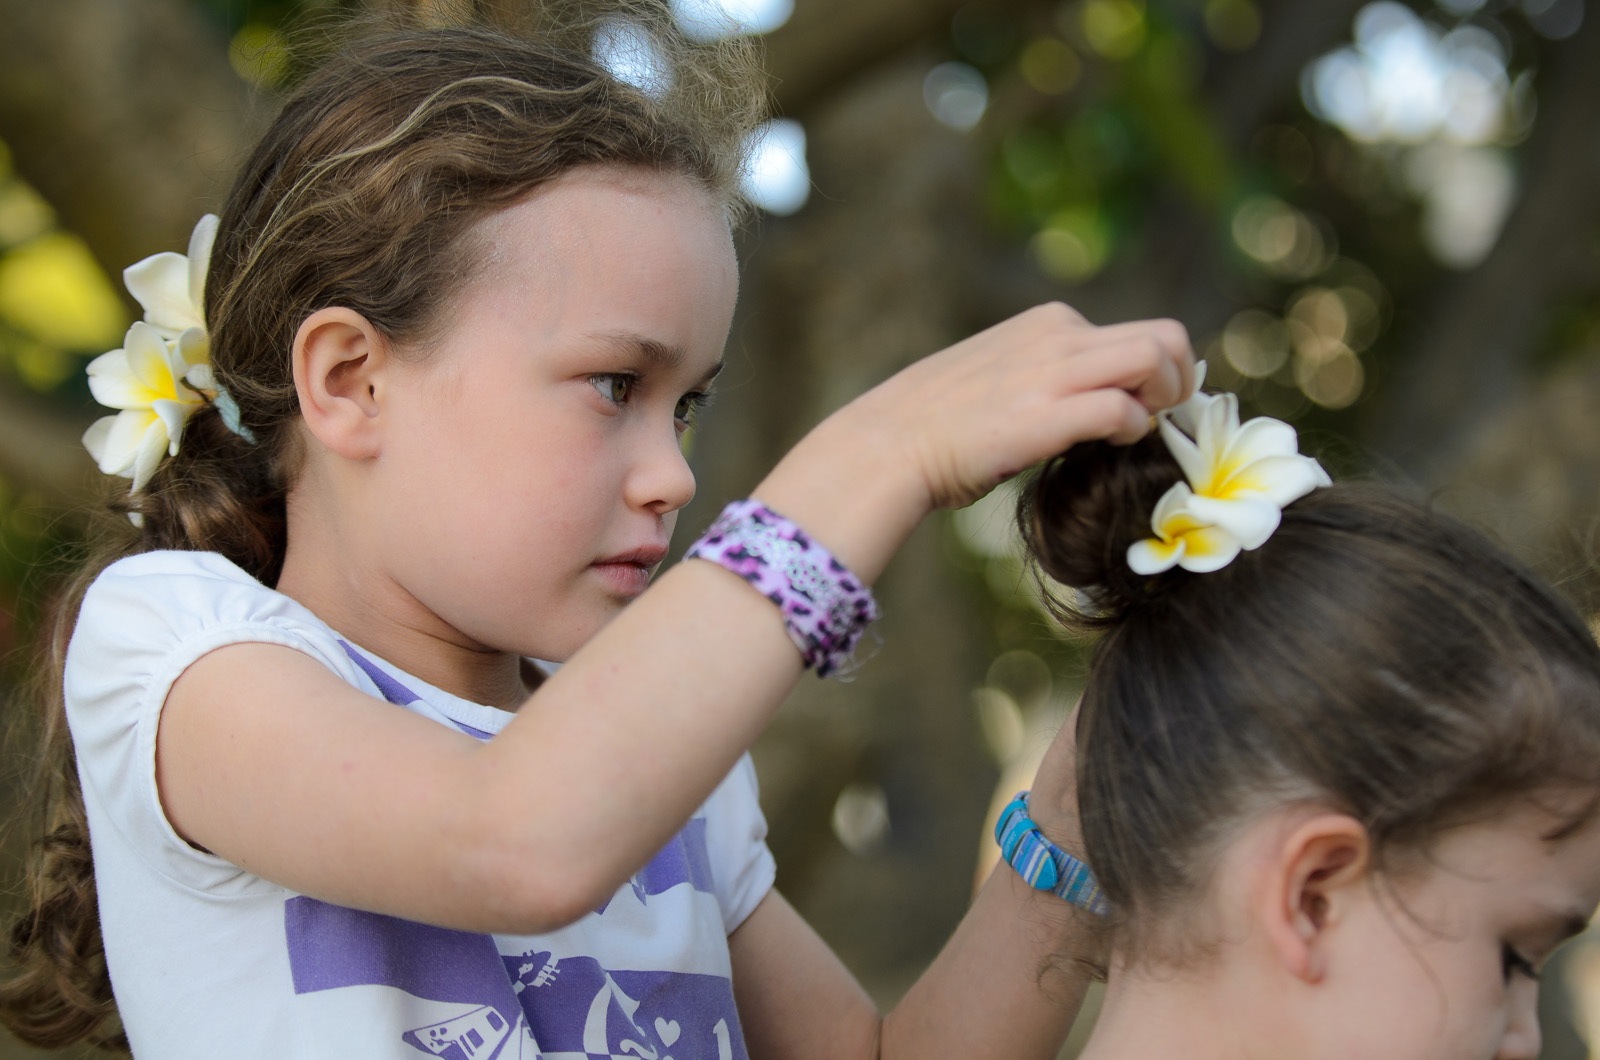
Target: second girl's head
1335	773
428	202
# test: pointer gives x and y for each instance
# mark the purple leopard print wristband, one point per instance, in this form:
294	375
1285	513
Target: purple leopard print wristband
825	607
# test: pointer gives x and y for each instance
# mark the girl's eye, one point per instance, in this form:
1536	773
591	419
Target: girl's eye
615	387
689	407
1513	963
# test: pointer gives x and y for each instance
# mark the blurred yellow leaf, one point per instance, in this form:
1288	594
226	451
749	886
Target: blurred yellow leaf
24	215
52	289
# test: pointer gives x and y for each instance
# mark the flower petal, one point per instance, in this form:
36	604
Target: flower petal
1188	455
150	360
1258	439
1249	520
200	240
122	440
94	439
1208	549
160	283
1185	414
200	377
151	448
1175	514
1152	556
1279	479
173	415
1215	426
194	346
113	384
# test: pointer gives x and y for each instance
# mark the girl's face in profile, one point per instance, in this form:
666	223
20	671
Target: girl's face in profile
1443	963
537	472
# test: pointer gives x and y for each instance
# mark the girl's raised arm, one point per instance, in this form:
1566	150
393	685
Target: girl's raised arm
271	761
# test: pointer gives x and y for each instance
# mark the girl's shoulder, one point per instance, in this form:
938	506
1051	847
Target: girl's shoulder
164	563
147	616
196	584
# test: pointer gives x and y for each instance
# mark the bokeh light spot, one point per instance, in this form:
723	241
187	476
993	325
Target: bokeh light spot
776	177
1404	80
861	817
1051	66
957	94
629	52
1331	376
1114	28
1255	343
1281	237
1074	244
708	20
258	54
52	289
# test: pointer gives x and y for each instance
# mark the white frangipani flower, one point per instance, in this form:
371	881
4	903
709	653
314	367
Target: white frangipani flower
1239	478
172	287
155	389
162	374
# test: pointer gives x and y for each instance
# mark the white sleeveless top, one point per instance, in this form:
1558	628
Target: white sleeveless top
208	960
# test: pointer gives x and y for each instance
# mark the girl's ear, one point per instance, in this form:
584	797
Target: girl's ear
340	360
1318	874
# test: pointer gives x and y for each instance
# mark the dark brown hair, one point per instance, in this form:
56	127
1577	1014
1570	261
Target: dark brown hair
364	193
1373	656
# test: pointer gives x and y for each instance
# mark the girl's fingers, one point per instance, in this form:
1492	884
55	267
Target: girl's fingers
1171	336
1143	362
1109	414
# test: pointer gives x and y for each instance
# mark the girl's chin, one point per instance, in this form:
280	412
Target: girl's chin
626	580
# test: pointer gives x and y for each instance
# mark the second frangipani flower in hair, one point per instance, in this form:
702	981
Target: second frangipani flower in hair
162	374
1238	478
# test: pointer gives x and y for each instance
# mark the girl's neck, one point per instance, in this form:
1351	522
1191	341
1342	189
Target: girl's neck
1162	1013
376	614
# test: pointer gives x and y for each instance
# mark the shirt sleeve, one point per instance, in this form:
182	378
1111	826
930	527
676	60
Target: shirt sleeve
145	619
736	842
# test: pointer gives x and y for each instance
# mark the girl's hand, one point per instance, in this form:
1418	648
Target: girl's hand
977	413
948	429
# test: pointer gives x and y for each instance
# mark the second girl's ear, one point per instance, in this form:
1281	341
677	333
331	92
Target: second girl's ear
339	363
1318	875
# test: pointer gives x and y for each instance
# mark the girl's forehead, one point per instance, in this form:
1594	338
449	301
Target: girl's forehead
570	205
607	249
1514	858
594	220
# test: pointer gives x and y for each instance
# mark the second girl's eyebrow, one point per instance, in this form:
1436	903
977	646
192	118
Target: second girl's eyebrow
658	355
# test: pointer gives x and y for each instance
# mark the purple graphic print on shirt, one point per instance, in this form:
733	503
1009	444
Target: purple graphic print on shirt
572	1005
576	1006
331	946
397	693
682	860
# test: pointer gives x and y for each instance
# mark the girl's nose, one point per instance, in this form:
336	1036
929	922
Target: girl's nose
660	480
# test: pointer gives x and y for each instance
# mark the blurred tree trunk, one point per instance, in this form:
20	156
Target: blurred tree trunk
127	118
124	114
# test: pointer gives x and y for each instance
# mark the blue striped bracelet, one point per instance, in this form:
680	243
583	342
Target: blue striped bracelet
1043	865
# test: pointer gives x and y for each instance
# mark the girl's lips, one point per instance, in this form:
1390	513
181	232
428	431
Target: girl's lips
628	573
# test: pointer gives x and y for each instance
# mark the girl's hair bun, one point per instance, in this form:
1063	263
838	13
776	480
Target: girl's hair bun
1083	510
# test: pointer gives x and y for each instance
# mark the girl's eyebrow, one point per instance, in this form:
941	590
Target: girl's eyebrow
658	355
